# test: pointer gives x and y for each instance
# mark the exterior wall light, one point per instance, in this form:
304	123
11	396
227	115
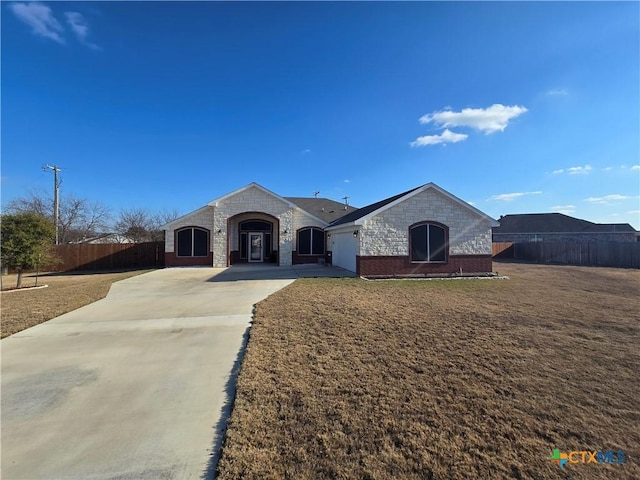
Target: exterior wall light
355	233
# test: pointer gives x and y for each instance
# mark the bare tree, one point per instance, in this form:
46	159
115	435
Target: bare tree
79	218
141	225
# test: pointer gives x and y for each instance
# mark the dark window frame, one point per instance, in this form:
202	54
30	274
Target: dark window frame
250	226
242	239
311	242
193	246
445	246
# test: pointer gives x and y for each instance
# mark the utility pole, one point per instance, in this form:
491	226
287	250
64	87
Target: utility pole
56	199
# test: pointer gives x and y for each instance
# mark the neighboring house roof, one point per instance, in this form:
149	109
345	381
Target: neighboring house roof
362	214
556	223
323	208
105	238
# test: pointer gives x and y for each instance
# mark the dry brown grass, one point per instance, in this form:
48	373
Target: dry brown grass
65	292
449	379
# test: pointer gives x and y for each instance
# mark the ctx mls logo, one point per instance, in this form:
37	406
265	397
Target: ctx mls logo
583	456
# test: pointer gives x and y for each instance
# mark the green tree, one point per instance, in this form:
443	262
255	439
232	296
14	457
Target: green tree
25	239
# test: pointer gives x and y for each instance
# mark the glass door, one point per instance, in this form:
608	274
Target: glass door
255	247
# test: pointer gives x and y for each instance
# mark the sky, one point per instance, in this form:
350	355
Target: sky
514	107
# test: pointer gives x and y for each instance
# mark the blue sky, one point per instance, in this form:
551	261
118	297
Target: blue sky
515	107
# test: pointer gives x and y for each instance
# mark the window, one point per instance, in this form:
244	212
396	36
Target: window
255	226
192	242
428	243
243	245
310	241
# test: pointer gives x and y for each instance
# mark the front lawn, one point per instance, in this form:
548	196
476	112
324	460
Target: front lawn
461	379
65	292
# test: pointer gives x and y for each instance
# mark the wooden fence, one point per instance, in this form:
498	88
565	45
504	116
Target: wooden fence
598	253
107	256
502	249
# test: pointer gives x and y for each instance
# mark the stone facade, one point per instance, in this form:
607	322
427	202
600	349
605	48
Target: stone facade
375	245
202	217
222	220
253	199
469	234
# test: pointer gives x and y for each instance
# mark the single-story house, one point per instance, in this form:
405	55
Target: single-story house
426	230
558	227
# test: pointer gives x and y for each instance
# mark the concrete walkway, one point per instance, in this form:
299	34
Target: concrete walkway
134	386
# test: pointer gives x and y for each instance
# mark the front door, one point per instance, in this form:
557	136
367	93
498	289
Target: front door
255	247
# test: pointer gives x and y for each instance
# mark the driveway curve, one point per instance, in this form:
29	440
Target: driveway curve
134	386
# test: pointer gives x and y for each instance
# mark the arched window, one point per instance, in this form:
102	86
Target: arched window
428	242
310	241
192	242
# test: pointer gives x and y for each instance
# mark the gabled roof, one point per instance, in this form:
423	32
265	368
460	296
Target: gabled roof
555	223
214	203
364	213
323	208
167	225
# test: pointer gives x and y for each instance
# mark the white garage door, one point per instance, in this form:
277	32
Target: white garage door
343	250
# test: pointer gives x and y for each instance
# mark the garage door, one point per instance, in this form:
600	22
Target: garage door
343	250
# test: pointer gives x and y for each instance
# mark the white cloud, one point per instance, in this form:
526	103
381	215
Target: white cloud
566	209
347	181
574	170
579	170
634	211
40	18
606	199
78	24
445	137
557	91
607	169
305	151
488	120
635	167
80	27
507	197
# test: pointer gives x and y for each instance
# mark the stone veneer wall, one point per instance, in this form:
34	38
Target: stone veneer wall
300	220
469	234
251	200
200	218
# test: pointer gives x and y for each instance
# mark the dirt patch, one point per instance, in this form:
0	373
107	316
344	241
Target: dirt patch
472	379
65	292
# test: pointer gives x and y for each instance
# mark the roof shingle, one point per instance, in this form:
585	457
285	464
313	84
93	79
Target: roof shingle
325	209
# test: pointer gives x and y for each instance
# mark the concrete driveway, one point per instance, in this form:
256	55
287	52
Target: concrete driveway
137	385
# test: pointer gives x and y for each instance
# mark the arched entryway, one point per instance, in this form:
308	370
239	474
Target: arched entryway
253	238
